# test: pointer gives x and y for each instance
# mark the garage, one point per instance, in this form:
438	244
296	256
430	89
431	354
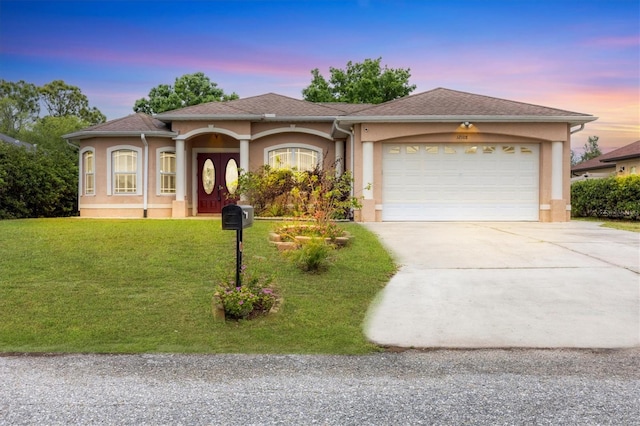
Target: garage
456	182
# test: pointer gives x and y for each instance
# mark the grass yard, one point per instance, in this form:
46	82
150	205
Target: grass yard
130	286
624	225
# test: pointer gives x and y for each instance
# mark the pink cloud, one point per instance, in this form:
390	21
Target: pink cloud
622	41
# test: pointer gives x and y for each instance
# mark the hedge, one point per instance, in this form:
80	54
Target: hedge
612	198
37	183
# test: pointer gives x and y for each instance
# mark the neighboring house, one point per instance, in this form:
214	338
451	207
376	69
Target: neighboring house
437	155
16	142
620	162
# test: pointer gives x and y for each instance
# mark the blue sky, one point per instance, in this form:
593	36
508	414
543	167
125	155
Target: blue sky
577	55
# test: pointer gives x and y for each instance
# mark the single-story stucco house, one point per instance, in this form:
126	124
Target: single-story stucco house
619	162
437	155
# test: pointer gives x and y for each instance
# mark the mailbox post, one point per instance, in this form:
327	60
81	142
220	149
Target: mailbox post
236	218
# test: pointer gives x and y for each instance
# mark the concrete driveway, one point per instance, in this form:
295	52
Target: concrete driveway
535	285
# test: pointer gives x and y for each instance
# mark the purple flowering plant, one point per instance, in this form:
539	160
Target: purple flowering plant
254	298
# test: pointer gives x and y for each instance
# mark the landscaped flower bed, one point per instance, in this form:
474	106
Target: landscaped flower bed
289	237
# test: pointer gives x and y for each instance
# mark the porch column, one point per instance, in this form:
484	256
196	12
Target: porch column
368	203
244	162
179	208
558	204
244	155
339	157
556	171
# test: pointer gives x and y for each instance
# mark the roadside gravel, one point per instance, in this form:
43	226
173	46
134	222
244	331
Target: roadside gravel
411	387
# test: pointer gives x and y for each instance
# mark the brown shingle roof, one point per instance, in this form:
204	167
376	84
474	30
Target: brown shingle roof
446	102
131	124
628	151
256	106
345	107
605	161
593	164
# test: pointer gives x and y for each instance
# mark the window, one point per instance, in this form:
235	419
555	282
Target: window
293	158
394	150
413	149
88	172
431	149
167	172
471	150
509	149
125	168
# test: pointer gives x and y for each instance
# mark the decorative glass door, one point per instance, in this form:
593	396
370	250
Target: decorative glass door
217	181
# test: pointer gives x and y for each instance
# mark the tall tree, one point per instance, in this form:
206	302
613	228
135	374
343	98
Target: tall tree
365	82
47	133
190	89
63	100
591	149
19	106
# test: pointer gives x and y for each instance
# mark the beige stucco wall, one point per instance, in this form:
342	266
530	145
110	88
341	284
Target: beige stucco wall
124	205
258	147
628	167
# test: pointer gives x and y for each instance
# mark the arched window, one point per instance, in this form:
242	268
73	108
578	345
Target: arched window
166	175
88	172
293	157
124	170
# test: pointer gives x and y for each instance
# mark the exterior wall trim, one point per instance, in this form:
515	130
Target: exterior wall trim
292	130
212	129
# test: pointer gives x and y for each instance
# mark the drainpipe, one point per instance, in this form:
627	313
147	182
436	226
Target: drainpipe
578	129
352	150
145	177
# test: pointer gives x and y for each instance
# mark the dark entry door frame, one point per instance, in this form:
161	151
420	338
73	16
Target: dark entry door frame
213	198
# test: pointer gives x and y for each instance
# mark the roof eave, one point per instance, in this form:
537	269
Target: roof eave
622	157
573	120
106	133
247	117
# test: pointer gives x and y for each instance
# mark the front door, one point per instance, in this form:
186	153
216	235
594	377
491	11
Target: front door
218	180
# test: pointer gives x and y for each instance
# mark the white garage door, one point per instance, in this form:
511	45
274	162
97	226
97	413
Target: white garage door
423	182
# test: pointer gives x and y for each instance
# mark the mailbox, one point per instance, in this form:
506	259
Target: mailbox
236	218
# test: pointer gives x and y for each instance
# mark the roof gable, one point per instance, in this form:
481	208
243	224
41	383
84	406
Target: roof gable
445	102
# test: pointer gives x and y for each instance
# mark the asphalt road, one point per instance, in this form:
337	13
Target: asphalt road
449	387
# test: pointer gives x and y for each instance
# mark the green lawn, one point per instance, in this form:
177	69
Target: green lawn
128	286
624	225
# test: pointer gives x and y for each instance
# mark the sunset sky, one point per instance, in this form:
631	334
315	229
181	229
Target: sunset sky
580	56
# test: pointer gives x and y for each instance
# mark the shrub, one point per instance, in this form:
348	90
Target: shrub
313	256
37	183
253	298
613	198
315	194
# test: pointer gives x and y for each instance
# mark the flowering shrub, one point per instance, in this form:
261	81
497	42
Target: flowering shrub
317	194
253	298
